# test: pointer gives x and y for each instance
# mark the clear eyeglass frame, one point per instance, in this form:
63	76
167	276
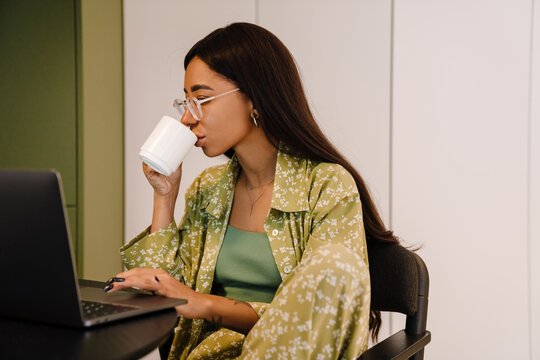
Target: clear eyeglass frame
194	105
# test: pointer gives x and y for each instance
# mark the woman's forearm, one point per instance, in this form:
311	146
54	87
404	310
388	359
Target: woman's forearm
163	213
221	311
230	313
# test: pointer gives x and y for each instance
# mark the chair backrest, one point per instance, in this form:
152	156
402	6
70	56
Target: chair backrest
399	283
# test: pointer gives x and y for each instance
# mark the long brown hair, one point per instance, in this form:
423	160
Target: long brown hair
264	69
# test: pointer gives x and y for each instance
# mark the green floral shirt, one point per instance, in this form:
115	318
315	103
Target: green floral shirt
313	203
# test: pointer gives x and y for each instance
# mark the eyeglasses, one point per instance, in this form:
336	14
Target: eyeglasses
194	104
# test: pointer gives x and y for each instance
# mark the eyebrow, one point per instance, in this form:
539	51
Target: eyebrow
199	87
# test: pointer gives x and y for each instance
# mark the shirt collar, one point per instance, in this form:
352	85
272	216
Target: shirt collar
221	194
291	184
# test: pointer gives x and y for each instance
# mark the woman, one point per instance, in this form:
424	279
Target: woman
271	251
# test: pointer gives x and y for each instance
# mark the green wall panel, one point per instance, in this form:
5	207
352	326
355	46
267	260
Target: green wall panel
61	107
38	88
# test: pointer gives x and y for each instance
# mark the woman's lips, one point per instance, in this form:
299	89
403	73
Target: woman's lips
199	140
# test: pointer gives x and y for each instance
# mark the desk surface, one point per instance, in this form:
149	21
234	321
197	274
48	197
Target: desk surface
126	339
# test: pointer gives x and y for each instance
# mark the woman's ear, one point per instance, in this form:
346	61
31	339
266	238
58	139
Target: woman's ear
254	113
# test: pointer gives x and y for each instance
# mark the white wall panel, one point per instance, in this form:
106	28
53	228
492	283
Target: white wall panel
534	181
460	105
342	49
157	35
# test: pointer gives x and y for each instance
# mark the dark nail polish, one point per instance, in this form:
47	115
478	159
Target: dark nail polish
108	288
114	279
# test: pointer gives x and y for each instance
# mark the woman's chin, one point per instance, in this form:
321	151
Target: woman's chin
210	152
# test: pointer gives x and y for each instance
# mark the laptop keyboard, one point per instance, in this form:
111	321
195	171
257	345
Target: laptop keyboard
93	309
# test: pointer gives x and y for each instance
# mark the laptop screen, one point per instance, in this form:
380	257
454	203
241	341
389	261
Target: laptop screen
39	276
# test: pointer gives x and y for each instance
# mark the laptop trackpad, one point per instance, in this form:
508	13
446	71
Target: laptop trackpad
93	291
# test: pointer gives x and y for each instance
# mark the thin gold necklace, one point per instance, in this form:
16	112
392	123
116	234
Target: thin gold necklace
249	187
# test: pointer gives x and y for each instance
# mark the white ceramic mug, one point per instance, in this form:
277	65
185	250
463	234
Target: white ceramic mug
167	146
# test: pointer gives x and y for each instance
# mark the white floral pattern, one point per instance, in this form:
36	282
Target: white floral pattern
315	229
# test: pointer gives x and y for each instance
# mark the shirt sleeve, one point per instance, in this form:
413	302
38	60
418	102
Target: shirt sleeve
337	211
159	250
168	248
259	307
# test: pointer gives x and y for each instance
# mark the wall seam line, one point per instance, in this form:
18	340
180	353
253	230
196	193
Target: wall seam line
528	191
391	137
123	82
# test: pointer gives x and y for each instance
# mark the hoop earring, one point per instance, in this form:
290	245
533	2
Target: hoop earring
255	121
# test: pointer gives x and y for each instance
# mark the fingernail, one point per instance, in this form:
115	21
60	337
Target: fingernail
108	288
114	279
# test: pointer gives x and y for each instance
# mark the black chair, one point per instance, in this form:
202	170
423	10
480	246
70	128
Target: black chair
399	283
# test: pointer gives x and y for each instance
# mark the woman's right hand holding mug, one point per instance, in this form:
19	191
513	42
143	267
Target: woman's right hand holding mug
163	185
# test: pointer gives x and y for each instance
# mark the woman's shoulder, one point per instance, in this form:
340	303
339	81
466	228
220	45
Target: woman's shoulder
314	178
330	184
330	174
315	170
328	168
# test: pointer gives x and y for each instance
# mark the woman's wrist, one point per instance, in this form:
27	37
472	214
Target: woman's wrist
199	306
207	306
167	201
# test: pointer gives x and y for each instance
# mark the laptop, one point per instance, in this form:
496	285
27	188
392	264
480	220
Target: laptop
39	279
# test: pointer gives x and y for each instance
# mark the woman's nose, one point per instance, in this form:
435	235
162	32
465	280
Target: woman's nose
188	120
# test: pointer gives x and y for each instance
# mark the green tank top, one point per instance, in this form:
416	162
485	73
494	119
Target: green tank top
245	268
